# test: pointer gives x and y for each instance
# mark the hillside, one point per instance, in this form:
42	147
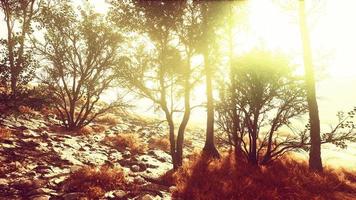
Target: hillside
125	157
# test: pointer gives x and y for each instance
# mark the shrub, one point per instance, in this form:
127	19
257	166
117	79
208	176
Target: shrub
94	181
228	179
159	143
129	140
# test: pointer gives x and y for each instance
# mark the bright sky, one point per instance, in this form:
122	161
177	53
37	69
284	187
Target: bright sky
332	32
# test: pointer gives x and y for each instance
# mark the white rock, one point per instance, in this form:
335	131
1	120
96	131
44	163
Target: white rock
120	193
135	168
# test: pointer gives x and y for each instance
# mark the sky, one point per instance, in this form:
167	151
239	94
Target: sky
332	35
332	30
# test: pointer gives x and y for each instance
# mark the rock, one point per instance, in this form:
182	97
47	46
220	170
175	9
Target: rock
172	189
120	193
73	143
58	180
73	196
43	169
4	182
30	133
40	197
149	197
143	166
139	180
135	168
126	154
40	191
75	168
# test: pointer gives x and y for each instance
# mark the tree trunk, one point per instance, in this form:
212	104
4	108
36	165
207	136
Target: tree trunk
172	142
186	116
209	147
253	153
10	46
315	163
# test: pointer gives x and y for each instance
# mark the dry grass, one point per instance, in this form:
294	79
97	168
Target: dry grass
46	111
5	133
159	143
108	119
284	179
86	130
128	140
95	182
98	128
26	110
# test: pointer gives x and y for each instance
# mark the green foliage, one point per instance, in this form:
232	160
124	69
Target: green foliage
25	67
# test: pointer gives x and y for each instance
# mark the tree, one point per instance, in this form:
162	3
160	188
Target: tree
160	73
210	22
17	63
263	96
315	162
79	52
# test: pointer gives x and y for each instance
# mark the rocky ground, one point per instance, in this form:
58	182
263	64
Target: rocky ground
35	159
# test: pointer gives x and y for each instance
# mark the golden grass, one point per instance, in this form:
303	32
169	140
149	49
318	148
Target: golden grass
94	181
5	133
26	110
159	143
201	178
128	140
86	130
108	119
46	111
98	128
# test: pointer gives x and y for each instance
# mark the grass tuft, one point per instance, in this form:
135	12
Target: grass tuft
94	182
159	143
128	140
108	119
5	133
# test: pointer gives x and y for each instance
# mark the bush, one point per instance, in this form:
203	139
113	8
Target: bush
94	182
159	143
131	141
228	179
26	101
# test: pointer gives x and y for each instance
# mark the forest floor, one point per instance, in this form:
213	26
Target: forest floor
40	161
